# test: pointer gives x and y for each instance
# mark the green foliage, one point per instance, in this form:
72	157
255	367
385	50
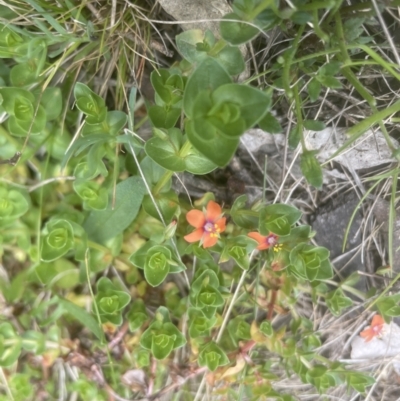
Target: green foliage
278	219
311	169
137	315
11	345
212	356
389	306
162	337
195	46
92	105
157	262
337	301
110	301
81	315
91	203
13	204
310	262
94	196
58	239
88	390
199	324
29	112
103	225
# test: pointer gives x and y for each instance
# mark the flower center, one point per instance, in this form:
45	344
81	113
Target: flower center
212	229
271	239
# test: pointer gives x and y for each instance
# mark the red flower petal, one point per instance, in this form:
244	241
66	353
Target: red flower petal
196	235
209	241
214	211
374	330
196	218
367	335
262	241
257	236
377	320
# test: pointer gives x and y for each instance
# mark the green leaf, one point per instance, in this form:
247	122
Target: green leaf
11	95
13	204
314	89
207	277
138	258
61	273
270	124
152	172
331	68
82	144
329	81
21	127
209	75
165	152
103	225
168	205
237	32
278	219
137	315
266	328
242	215
156	267
58	239
51	101
310	262
389	306
359	381
110	301
198	164
163	116
239	329
161	346
187	41
301	17
199	324
23	74
162	337
212	356
85	318
208	296
218	149
294	136
158	79
94	196
33	341
314	125
90	104
113	125
311	169
253	103
337	302
10	345
231	58
195	46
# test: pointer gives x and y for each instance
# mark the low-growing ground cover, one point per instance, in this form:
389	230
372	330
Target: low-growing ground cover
164	193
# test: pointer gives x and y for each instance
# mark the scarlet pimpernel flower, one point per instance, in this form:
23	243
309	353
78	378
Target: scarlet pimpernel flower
208	224
264	242
375	330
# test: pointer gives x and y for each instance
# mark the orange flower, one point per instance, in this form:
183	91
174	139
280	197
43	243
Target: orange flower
208	224
264	242
375	330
